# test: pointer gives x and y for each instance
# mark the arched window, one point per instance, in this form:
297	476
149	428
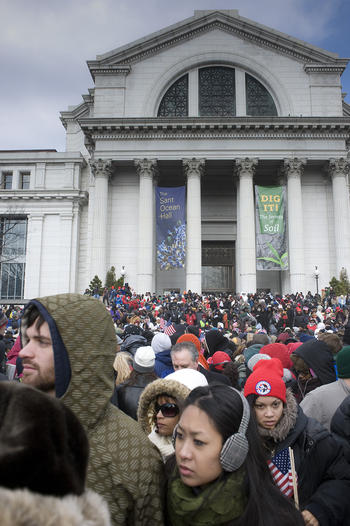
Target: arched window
175	101
259	101
218	87
217	92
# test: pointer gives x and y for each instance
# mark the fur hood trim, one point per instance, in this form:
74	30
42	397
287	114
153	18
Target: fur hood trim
21	507
145	412
287	422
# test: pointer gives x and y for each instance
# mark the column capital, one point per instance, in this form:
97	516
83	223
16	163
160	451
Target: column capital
294	167
101	168
146	167
246	167
339	167
193	167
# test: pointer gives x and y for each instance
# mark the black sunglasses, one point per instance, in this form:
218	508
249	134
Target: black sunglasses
168	410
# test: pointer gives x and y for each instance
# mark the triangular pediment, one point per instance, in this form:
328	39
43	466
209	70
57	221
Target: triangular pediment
204	21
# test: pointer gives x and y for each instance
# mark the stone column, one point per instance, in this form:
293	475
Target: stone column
33	256
101	171
146	168
66	222
245	169
193	170
294	169
339	170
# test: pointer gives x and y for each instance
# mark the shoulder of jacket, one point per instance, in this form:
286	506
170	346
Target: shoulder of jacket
315	432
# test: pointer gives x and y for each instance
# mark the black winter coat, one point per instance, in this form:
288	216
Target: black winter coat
127	396
323	472
2	355
340	426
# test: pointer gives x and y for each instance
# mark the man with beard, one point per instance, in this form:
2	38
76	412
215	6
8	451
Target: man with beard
68	349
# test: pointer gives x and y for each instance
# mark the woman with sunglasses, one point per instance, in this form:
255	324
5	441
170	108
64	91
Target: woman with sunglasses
220	478
160	405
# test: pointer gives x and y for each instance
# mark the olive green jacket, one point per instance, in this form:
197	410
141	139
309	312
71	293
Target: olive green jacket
124	466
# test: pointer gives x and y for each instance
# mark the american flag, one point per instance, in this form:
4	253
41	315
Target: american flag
169	329
281	471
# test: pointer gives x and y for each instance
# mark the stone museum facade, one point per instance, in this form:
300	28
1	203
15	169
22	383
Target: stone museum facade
217	104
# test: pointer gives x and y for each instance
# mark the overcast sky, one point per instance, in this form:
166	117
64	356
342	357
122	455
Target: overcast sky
45	45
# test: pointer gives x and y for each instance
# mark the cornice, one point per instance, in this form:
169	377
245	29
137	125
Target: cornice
338	68
213	128
96	68
80	111
195	26
44	157
44	195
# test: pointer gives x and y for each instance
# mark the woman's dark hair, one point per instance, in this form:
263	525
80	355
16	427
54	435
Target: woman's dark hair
230	370
131	380
266	506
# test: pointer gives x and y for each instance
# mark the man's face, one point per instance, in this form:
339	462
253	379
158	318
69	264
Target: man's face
183	360
38	360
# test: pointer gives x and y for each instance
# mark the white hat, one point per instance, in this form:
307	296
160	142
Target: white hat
188	377
144	360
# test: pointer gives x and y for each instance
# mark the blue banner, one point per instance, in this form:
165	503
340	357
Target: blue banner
171	227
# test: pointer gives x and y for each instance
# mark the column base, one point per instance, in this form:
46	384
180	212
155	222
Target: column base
194	283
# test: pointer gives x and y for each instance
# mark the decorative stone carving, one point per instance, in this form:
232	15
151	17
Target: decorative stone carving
101	168
146	167
294	167
246	166
193	167
339	167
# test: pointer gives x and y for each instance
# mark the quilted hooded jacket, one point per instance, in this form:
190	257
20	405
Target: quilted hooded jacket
124	466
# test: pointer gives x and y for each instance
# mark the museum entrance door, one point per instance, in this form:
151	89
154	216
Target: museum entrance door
218	259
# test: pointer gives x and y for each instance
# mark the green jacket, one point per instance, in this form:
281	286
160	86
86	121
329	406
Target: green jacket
124	466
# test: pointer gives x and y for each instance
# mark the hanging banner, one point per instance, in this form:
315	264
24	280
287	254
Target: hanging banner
271	239
171	227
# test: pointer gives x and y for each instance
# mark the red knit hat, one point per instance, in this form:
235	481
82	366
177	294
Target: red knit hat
280	351
266	380
219	358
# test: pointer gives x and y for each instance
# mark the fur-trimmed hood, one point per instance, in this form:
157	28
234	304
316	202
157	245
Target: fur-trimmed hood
21	508
146	412
287	422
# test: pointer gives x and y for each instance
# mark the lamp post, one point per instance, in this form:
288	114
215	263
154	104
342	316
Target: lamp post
317	274
123	273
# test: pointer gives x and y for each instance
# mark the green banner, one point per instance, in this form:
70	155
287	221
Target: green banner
271	239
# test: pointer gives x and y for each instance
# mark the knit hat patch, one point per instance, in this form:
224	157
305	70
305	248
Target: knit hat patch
263	388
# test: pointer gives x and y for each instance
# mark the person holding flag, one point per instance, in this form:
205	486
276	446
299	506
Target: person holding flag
305	461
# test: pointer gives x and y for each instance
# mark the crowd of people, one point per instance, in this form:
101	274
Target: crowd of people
180	409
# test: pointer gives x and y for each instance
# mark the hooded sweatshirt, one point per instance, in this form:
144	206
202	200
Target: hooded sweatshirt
124	467
319	357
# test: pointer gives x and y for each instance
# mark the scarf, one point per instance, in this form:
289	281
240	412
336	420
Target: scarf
164	444
219	502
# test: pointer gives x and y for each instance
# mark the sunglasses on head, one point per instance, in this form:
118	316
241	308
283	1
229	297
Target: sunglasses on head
168	410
